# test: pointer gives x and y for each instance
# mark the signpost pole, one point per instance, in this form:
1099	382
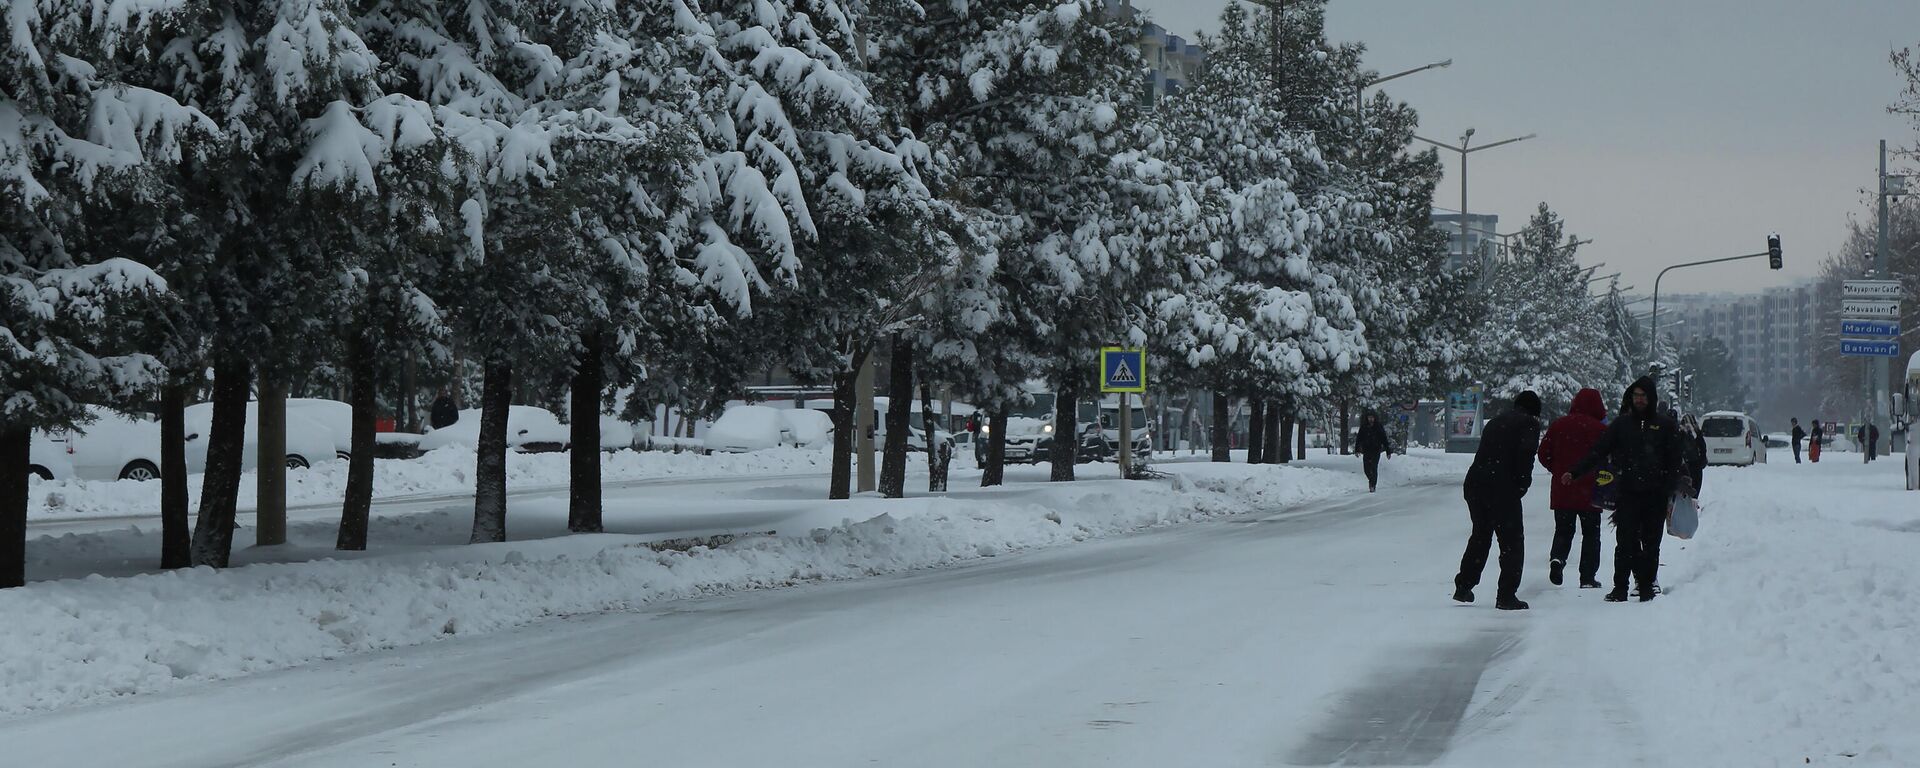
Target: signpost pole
1126	436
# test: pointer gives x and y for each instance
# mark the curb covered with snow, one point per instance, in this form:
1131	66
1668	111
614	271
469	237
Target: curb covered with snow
77	641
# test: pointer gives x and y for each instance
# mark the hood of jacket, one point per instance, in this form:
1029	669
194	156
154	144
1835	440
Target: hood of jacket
1647	384
1588	403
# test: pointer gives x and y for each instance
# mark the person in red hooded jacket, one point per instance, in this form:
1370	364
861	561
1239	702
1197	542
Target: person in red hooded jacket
1567	441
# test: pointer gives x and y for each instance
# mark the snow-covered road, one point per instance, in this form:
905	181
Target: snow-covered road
1315	636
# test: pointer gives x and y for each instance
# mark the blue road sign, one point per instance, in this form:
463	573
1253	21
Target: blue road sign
1871	329
1123	370
1869	348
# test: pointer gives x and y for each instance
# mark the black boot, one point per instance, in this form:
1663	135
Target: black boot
1510	603
1618	595
1589	583
1462	595
1554	571
1647	593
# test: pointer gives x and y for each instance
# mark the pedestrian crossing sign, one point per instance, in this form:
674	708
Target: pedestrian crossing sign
1123	369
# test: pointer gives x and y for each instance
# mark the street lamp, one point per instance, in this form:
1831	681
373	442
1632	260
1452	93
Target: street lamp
1464	149
1359	100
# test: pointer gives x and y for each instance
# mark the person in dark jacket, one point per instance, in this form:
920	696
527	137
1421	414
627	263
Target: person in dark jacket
1371	443
1694	449
1648	463
1501	473
1567	441
1873	441
443	414
1798	435
1818	435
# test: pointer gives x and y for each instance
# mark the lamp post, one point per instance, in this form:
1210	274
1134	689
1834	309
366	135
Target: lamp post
1359	100
1465	149
1890	187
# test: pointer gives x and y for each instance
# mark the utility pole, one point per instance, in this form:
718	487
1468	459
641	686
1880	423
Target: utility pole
1464	149
1880	408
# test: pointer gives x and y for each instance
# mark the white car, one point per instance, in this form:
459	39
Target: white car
746	428
308	442
47	458
336	416
529	430
114	446
1732	437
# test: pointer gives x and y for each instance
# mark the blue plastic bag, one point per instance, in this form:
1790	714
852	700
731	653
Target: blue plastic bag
1684	519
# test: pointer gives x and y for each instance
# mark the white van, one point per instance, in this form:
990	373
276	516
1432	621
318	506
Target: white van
1733	438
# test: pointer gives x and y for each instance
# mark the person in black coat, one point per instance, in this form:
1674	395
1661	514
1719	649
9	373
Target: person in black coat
1502	472
1372	443
1798	435
443	413
1648	457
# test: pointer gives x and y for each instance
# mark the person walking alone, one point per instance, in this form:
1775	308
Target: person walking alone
1816	436
1648	459
1798	435
1371	443
1567	441
1501	473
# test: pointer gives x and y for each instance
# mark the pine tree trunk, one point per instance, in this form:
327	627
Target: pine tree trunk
16	450
939	452
226	450
270	463
583	496
893	458
358	506
1286	439
995	473
840	480
1345	406
1222	428
176	529
1270	452
1300	440
1066	433
490	467
1256	431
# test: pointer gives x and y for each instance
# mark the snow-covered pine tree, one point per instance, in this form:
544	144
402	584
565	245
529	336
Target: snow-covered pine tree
1264	311
73	143
1543	331
1039	110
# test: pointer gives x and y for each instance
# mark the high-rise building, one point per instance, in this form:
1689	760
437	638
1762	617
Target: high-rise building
1172	61
1769	334
1477	247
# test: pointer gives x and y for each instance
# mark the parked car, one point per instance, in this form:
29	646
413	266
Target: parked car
746	428
114	446
529	430
1732	437
1779	440
47	457
309	442
336	416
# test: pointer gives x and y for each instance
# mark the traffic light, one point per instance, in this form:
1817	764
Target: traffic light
1773	252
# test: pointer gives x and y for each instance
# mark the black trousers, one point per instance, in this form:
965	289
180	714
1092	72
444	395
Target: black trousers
1371	463
1589	521
1494	514
1796	451
1639	522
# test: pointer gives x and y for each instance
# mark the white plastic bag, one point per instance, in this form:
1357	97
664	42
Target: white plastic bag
1684	518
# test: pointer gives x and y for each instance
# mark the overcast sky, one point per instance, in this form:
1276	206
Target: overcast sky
1668	131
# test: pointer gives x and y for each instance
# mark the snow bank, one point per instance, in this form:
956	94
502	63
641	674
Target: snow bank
1788	639
70	642
446	470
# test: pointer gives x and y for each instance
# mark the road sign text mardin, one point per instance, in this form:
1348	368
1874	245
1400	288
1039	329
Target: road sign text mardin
1868	308
1870	289
1875	329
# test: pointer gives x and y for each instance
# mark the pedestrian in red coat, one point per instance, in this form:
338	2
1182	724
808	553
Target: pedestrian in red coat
1567	441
